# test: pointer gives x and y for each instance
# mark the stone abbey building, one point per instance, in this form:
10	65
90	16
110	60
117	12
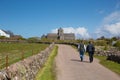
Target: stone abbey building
61	35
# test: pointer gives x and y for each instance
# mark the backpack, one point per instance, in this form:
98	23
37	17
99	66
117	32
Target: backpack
90	48
81	47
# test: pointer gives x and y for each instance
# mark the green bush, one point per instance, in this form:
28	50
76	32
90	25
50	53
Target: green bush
117	44
100	43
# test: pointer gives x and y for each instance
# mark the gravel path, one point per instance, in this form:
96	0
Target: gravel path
69	67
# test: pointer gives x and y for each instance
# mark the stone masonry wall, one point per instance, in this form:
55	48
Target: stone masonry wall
27	68
112	54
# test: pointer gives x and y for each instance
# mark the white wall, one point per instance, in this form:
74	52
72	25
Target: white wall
2	33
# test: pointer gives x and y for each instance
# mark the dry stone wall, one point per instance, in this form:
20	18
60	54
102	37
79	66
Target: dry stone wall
112	54
27	68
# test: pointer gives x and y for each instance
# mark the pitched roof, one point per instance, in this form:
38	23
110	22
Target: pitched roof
51	34
3	33
69	34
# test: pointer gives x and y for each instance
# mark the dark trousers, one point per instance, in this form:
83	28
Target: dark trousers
91	56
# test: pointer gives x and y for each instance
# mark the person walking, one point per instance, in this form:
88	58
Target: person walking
81	49
90	49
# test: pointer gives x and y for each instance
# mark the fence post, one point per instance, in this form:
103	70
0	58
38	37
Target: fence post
22	56
6	61
0	63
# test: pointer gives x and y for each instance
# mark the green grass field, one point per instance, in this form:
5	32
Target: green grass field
18	51
48	72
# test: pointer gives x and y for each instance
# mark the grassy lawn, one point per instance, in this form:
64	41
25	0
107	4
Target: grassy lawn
48	72
115	67
18	51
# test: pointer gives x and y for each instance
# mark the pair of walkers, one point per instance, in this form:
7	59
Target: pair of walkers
90	49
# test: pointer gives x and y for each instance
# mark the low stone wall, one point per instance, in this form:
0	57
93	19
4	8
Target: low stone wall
27	68
115	58
113	55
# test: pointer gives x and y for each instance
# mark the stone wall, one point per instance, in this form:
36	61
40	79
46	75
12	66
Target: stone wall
112	54
27	68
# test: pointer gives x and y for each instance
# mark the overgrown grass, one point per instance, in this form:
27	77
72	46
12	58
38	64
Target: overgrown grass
48	72
18	51
113	66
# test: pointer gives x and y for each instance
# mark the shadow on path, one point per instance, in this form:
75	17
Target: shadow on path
79	60
70	67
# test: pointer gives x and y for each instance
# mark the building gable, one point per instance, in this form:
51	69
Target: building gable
2	33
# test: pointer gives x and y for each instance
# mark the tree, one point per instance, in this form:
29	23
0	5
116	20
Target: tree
114	38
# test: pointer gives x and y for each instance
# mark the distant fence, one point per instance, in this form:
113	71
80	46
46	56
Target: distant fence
8	40
6	60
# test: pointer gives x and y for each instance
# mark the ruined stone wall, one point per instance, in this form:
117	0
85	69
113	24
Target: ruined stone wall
27	68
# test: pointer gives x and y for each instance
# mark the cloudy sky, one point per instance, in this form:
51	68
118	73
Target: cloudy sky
85	18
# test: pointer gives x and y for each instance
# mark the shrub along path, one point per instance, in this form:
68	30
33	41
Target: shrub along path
69	67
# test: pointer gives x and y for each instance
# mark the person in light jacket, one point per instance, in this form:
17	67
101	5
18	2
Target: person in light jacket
81	49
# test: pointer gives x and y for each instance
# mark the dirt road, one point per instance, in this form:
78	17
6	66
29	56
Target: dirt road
69	67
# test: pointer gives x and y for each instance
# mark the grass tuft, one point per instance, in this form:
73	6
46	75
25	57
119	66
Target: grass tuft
47	72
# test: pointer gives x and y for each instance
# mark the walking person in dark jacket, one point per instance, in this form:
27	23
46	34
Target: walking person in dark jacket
81	49
90	49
